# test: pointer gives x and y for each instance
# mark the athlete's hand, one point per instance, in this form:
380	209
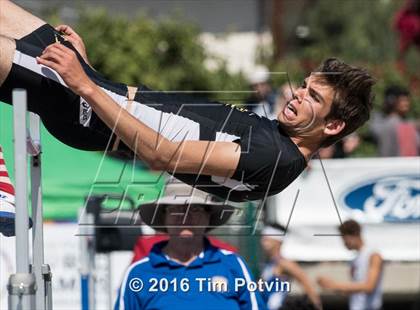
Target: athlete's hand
63	60
74	39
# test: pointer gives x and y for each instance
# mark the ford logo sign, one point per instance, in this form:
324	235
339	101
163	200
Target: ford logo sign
389	199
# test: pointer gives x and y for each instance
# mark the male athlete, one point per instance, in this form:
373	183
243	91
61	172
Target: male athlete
217	148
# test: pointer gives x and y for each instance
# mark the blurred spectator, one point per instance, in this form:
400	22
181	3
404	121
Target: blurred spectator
407	23
346	146
279	268
395	135
263	100
167	278
366	272
342	149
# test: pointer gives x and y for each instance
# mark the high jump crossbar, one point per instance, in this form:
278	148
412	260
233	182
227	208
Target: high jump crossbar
30	287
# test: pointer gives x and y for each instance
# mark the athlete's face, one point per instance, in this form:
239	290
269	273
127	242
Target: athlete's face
186	221
305	114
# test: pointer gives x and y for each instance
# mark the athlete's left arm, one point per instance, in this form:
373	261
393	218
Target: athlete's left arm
197	157
374	272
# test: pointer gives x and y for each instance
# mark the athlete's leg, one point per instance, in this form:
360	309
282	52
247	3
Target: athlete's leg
57	105
21	25
15	22
7	48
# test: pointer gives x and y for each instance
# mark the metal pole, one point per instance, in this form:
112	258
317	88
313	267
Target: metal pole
21	177
87	259
109	279
92	278
21	288
34	140
22	285
46	272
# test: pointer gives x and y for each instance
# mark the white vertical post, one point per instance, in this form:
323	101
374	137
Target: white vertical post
22	285
37	211
87	259
21	177
109	279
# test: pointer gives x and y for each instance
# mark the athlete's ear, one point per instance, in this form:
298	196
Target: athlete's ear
334	127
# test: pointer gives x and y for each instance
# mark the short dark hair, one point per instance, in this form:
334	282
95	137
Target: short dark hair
350	228
353	98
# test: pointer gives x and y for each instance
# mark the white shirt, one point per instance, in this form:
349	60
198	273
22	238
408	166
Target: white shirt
359	271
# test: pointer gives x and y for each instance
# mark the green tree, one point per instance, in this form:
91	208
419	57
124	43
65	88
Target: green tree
164	55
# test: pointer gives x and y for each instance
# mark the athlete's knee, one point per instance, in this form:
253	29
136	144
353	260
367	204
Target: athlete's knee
7	50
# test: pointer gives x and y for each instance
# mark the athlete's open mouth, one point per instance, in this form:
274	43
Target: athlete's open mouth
291	108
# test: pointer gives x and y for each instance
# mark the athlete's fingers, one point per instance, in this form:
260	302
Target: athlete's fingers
51	46
65	49
71	36
67	30
68	63
56	50
48	63
59	56
60	47
52	57
64	29
75	42
55	55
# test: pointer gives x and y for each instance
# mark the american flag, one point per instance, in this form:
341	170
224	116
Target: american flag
7	191
7	200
